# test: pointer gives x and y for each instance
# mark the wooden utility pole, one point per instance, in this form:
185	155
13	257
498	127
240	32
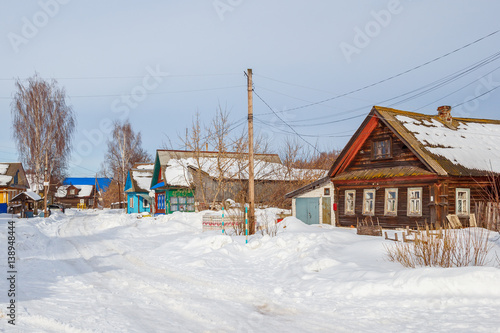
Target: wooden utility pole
251	190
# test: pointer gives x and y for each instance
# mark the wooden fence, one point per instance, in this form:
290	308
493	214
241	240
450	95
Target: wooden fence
232	224
488	215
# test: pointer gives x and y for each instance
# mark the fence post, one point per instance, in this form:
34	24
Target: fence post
223	220
246	226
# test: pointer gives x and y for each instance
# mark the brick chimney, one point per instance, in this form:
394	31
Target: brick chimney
444	113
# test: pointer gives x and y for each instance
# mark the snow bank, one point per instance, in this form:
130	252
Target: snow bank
104	271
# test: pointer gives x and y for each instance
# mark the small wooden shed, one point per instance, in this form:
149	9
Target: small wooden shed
313	203
26	202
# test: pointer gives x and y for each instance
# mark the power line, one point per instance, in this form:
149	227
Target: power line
418	92
455	91
284	122
476	97
148	93
338	135
127	77
393	76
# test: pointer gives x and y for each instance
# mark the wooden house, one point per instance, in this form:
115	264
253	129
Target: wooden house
137	188
80	192
403	168
313	203
12	182
189	180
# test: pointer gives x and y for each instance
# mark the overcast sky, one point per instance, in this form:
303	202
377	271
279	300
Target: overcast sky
159	62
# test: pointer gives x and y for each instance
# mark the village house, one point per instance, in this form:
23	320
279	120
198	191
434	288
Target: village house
189	180
137	188
402	168
12	182
81	192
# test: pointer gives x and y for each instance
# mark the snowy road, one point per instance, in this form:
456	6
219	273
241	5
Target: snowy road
108	272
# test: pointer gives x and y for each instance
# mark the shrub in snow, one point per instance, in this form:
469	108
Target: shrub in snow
449	248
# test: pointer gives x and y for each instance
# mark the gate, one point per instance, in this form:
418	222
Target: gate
307	210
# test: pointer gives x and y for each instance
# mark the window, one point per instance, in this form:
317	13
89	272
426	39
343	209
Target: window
326	191
350	200
131	204
415	201
145	203
462	204
190	204
161	201
72	191
381	149
391	201
182	204
369	202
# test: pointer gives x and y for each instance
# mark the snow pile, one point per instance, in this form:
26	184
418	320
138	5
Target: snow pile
103	271
473	145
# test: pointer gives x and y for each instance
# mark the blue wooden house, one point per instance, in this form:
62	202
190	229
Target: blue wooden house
137	188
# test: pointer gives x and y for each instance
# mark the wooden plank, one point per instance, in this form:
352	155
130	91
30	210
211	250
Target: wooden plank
454	221
472	220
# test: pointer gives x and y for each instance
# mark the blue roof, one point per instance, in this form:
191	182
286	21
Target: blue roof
103	182
158	185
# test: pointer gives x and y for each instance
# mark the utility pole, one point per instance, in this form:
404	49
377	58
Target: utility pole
251	190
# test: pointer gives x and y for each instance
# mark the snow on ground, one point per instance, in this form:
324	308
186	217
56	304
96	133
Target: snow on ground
103	271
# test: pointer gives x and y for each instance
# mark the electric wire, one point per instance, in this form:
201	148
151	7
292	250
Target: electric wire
393	76
284	122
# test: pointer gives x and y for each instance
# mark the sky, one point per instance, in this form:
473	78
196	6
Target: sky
318	66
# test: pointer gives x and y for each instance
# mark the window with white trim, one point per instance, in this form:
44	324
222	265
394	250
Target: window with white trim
462	201
415	201
131	204
145	203
391	201
350	201
369	202
381	149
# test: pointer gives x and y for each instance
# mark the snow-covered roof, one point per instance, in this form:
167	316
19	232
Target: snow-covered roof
4	179
29	194
12	175
468	144
85	191
176	172
141	177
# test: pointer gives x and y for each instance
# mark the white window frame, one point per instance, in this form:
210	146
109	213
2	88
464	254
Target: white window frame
387	209
131	203
366	210
467	201
347	209
411	200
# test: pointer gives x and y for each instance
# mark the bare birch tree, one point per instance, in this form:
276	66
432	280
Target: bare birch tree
43	127
124	150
